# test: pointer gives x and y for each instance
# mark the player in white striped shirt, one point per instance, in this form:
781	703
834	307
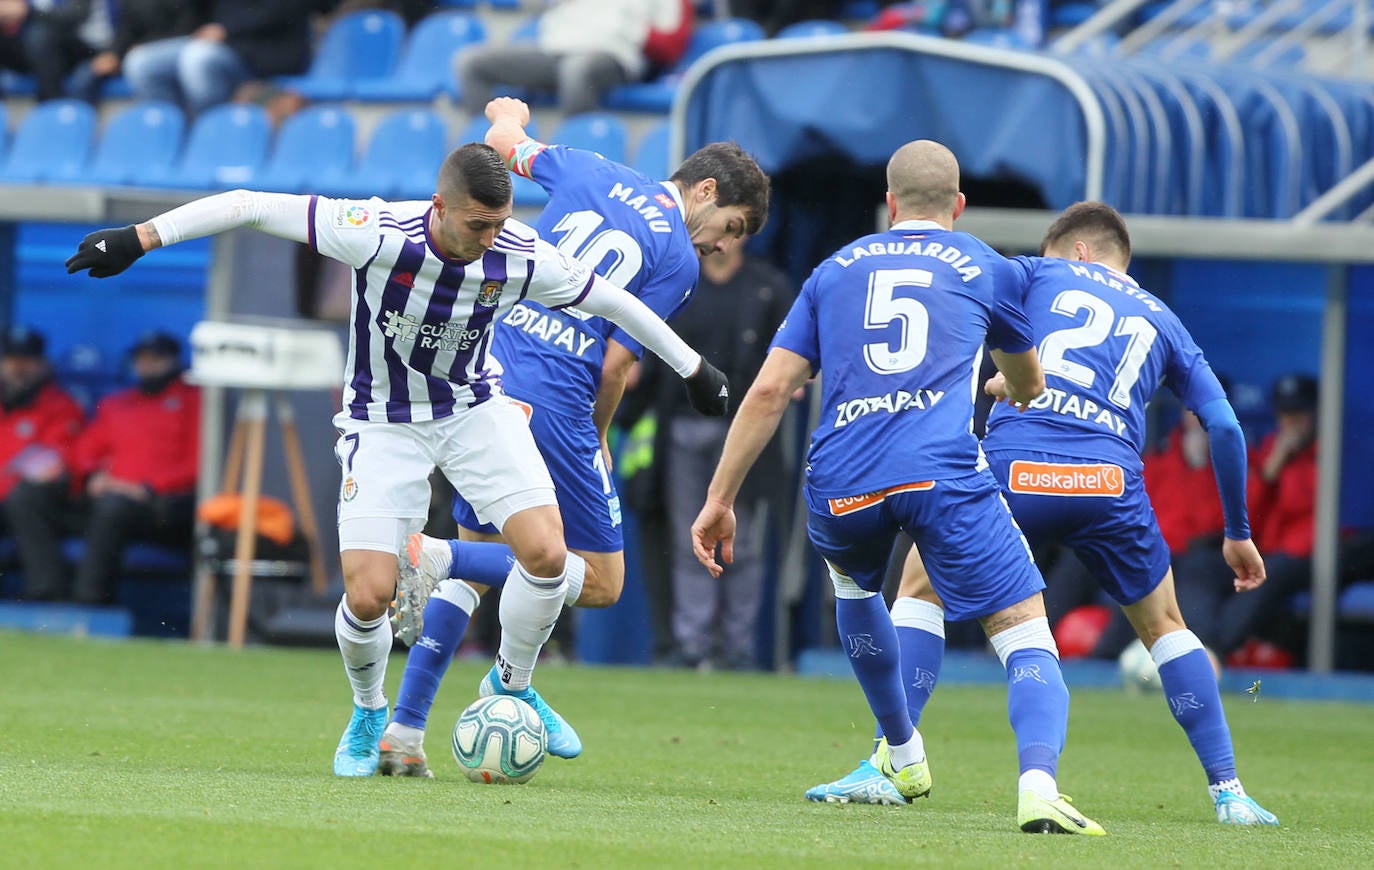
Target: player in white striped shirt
429	280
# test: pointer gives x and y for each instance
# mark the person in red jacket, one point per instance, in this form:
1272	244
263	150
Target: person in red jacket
39	423
136	467
1282	502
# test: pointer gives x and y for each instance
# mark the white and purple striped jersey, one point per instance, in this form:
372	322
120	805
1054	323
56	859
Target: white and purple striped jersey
421	334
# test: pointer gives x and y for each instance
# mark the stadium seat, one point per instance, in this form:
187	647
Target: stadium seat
811	28
657	96
86	374
594	131
401	161
358	46
53	143
139	557
651	155
142	139
4	130
425	69
227	146
314	141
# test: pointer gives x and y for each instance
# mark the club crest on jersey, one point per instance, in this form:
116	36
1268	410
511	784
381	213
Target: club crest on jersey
489	294
665	200
350	488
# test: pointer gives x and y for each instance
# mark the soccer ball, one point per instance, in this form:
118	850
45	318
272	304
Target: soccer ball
1137	669
499	739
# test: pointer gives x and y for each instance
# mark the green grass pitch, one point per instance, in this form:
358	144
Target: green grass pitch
147	754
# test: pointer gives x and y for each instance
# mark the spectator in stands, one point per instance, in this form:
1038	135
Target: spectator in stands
39	423
50	38
135	466
1283	498
139	22
240	41
581	50
711	619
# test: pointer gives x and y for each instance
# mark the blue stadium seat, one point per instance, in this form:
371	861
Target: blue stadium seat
53	143
651	155
140	557
657	96
4	130
144	138
401	161
358	46
227	146
601	132
426	66
314	141
83	371
13	84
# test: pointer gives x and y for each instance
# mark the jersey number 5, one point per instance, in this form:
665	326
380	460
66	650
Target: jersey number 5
884	307
1093	332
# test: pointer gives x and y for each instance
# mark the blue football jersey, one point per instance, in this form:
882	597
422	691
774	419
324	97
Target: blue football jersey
1105	345
629	228
896	321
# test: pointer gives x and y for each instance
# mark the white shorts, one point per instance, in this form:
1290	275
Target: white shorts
486	452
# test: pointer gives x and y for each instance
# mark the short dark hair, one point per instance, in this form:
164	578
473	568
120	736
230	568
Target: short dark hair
739	180
1093	221
475	171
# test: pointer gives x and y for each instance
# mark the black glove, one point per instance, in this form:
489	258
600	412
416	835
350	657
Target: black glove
709	391
107	252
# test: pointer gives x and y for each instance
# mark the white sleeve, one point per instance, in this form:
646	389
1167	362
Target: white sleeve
559	281
639	320
318	221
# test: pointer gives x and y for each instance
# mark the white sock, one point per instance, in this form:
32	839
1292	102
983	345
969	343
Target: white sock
1039	782
529	610
910	752
365	645
1231	785
406	734
576	572
436	556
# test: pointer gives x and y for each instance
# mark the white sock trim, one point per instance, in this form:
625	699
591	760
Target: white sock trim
919	613
459	594
1174	645
1040	783
845	587
576	574
1031	634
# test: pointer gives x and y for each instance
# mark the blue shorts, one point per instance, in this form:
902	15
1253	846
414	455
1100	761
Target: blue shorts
585	490
1097	509
977	559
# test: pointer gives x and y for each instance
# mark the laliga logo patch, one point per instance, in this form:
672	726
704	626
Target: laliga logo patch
350	489
352	216
489	294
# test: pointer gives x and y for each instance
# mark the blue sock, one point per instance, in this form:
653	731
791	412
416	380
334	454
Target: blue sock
870	641
1038	704
482	562
446	619
1190	685
921	638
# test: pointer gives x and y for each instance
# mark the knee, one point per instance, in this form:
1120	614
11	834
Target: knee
545	558
369	591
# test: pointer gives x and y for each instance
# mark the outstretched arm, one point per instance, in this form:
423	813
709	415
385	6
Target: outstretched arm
509	118
706	386
110	251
